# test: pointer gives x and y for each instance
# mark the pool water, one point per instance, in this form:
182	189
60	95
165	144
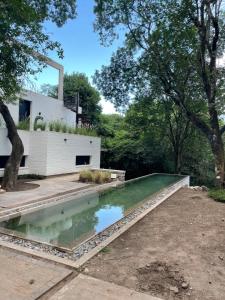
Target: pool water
68	223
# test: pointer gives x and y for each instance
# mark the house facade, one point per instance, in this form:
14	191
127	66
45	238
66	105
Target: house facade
48	152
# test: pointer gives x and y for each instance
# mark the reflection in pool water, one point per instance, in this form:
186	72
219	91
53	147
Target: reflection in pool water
68	223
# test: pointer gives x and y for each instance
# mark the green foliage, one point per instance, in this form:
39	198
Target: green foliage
217	194
65	128
98	177
59	126
105	250
21	33
85	176
88	95
140	143
42	126
24	124
85	131
159	60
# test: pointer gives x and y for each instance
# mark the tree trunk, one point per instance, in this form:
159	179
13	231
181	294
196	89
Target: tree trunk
218	152
177	160
13	163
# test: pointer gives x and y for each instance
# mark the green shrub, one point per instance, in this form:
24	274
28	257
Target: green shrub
98	177
86	176
85	131
101	177
24	124
106	176
41	126
57	126
64	128
51	126
217	194
70	129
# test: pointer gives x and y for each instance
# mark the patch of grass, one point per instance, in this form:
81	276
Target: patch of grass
24	124
105	250
217	194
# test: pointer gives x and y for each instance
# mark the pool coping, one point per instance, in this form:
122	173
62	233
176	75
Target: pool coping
162	196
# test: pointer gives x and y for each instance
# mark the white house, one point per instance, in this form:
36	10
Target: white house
48	152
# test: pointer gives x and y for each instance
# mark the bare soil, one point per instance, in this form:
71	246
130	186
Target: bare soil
176	252
23	185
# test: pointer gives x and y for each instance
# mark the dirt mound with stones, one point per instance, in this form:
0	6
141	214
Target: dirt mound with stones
160	278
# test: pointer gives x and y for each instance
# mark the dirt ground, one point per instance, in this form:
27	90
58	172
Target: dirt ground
175	252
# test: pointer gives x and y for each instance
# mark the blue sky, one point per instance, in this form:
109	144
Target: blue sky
82	49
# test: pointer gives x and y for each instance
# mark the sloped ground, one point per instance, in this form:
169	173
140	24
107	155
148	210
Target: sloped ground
176	252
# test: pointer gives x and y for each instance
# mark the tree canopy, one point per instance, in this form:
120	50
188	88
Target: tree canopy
170	53
23	42
88	95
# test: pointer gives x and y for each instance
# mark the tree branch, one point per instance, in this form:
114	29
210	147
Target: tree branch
222	130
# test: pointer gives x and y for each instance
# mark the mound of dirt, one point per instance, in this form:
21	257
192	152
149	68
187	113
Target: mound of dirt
160	278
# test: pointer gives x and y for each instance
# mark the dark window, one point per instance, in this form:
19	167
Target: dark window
4	159
82	160
24	110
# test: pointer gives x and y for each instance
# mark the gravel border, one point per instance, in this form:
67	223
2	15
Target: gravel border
96	240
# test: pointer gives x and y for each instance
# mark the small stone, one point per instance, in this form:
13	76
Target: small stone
223	220
204	188
86	270
31	281
174	289
210	282
221	257
184	285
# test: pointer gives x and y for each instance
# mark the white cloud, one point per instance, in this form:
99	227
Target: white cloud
107	107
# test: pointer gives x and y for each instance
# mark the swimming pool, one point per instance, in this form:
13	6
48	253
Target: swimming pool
69	223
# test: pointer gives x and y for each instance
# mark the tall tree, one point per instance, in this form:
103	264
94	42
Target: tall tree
88	95
170	47
22	37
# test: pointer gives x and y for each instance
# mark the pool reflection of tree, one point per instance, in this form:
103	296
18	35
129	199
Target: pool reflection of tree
65	224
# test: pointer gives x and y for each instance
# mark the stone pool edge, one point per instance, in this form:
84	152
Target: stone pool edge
68	261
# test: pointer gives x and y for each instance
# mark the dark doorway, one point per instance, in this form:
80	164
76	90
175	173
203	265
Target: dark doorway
24	110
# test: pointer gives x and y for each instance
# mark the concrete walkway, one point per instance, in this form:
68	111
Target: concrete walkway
26	278
88	288
48	188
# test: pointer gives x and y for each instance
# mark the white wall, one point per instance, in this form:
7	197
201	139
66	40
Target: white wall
5	148
53	153
51	109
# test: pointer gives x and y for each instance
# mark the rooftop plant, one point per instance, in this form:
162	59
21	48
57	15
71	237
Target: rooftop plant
24	124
